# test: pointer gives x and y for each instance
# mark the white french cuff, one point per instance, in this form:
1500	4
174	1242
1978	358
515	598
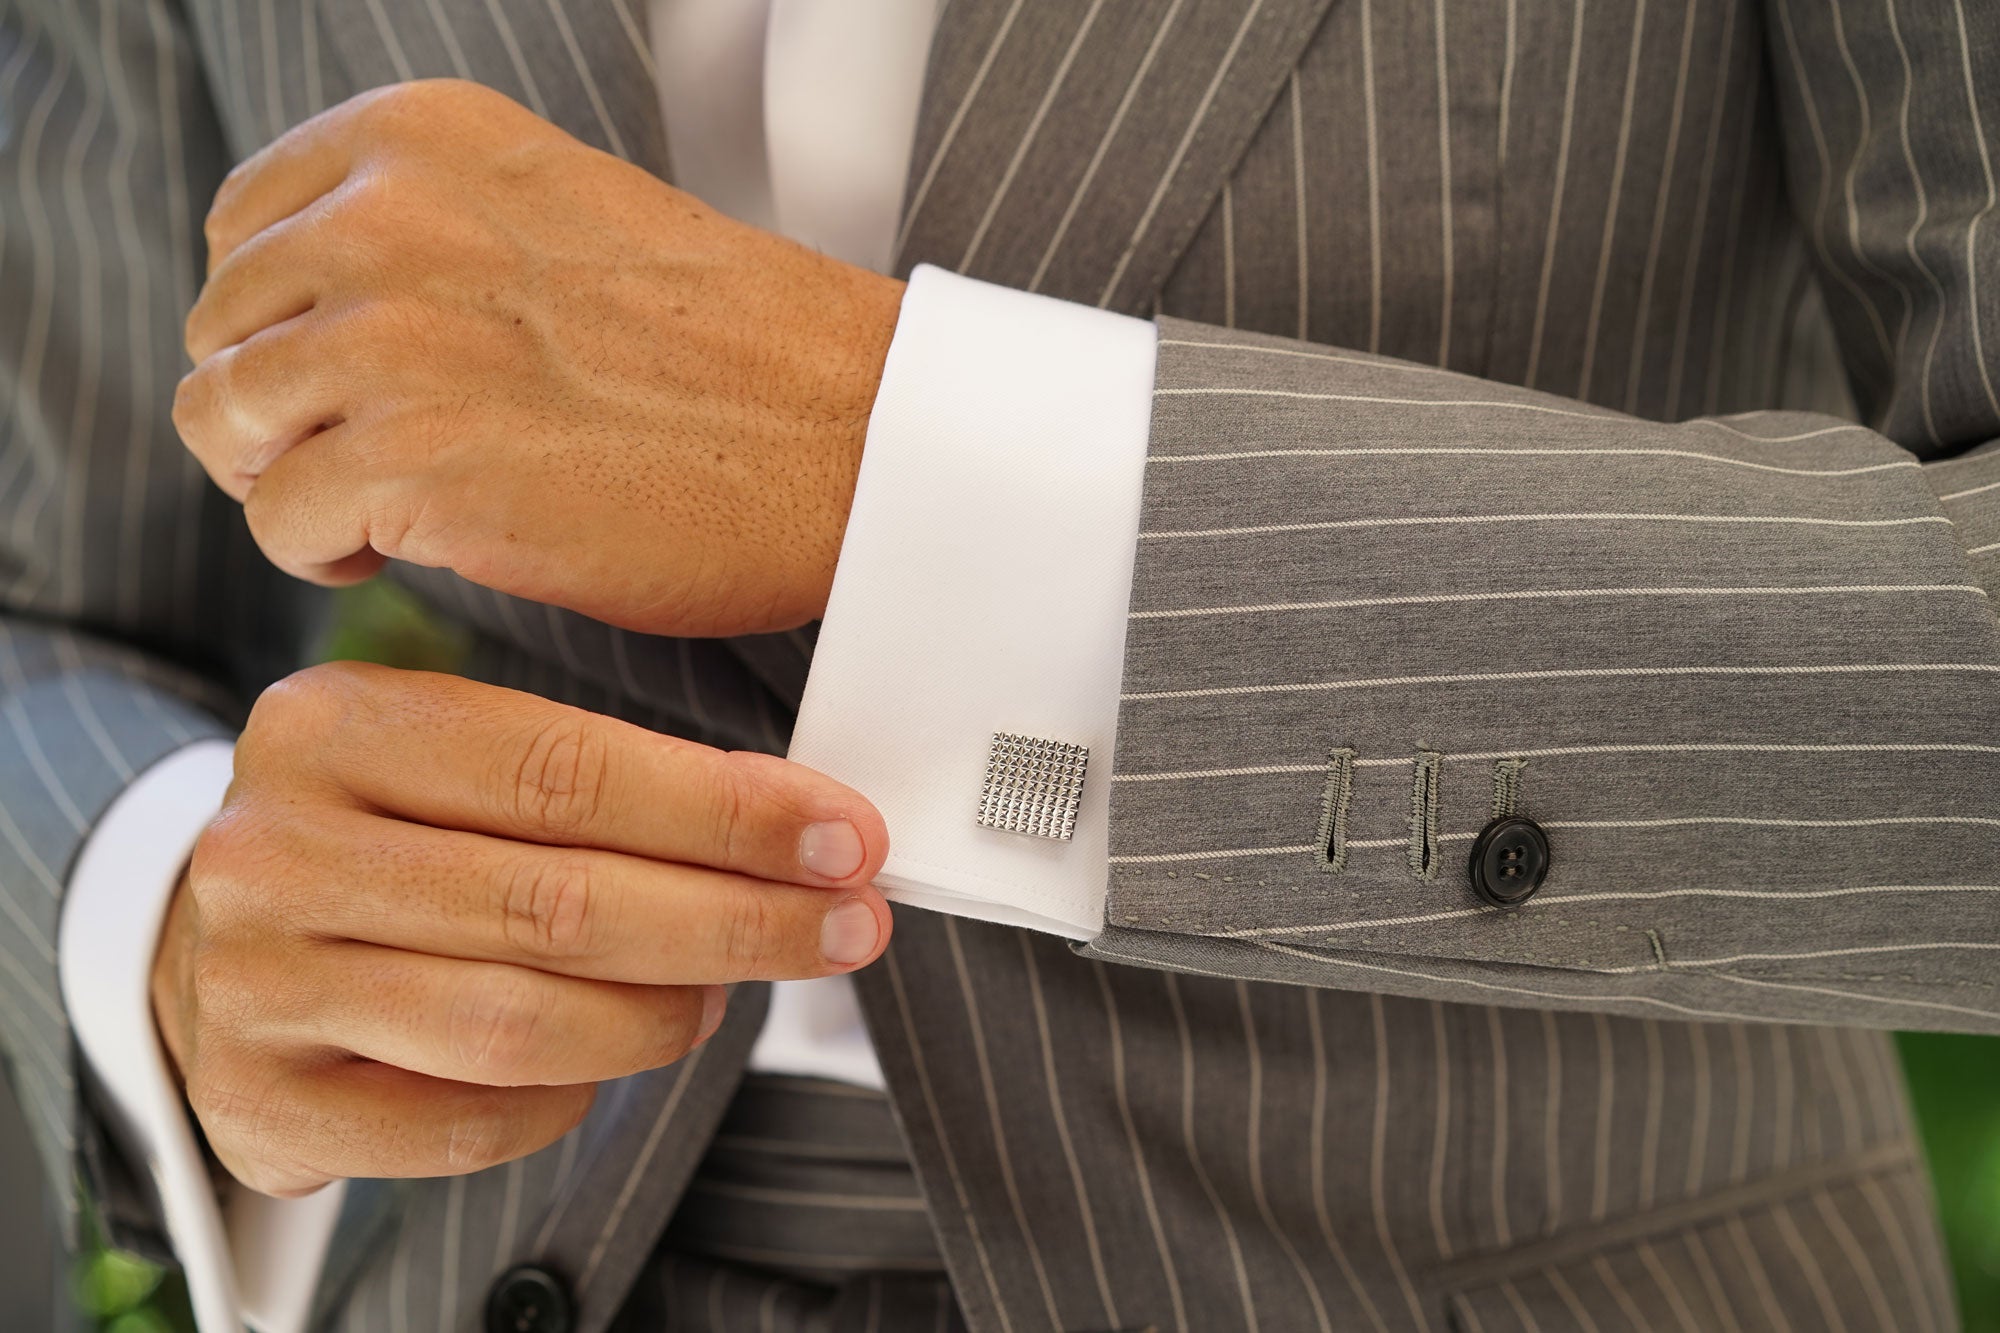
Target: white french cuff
247	1258
982	591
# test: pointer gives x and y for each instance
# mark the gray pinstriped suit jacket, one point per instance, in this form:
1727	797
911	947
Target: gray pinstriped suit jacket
1743	669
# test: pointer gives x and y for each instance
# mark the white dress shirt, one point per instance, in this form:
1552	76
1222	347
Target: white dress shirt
1004	460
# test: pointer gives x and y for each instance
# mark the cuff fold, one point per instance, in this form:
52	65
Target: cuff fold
983	587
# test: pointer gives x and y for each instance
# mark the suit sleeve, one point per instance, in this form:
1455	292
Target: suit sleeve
134	615
1743	672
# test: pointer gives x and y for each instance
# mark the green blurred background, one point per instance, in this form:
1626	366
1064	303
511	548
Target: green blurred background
1955	1080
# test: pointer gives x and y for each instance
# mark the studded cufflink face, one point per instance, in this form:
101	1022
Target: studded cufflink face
1032	786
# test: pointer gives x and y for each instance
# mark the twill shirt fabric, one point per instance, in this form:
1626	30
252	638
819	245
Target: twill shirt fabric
1418	541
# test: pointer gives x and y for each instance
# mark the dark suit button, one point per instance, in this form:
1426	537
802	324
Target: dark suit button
527	1299
1510	858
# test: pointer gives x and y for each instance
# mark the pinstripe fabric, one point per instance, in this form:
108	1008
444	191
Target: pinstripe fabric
1603	218
107	533
688	1294
804	1214
1586	202
121	118
1467	572
790	1151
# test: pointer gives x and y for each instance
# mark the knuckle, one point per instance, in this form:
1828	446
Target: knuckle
247	865
191	327
548	906
214	231
327	679
445	91
412	103
264	866
232	185
301	725
496	1030
479	1134
193	398
418	93
215	868
487	1127
316	696
282	700
384	104
285	714
470	1144
729	807
745	938
219	850
560	778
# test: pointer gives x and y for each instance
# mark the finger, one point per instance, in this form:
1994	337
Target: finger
343	1118
243	407
267	279
457	754
285	175
314	507
495	1024
580	913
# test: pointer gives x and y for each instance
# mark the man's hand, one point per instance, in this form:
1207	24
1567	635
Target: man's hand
433	914
439	329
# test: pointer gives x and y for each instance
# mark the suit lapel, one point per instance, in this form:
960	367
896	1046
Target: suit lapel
584	66
1074	148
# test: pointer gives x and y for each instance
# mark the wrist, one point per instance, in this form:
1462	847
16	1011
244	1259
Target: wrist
866	327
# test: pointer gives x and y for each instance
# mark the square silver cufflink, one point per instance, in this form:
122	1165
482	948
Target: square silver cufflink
1033	786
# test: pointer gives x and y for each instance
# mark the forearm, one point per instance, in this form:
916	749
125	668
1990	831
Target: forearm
1740	673
1744	673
